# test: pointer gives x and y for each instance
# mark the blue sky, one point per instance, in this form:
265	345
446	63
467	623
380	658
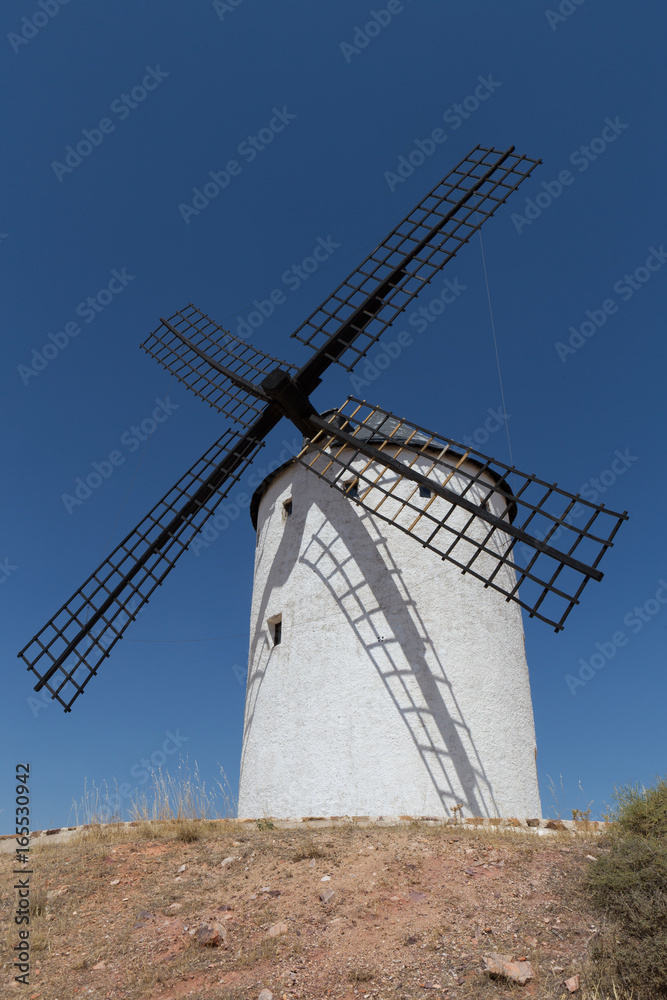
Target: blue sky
583	91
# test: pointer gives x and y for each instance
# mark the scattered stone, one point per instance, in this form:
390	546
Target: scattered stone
277	929
556	824
99	967
182	868
533	822
265	995
311	863
589	857
416	897
210	936
503	966
115	881
175	906
327	895
325	878
265	888
572	984
227	861
144	915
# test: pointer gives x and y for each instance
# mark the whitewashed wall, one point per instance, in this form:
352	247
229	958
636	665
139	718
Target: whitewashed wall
400	686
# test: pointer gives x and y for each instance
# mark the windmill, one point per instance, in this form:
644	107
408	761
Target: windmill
425	700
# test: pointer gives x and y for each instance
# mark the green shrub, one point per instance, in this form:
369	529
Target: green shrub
628	884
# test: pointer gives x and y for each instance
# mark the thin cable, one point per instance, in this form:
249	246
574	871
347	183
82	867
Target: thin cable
495	345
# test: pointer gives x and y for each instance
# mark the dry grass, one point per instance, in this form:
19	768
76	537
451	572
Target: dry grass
175	806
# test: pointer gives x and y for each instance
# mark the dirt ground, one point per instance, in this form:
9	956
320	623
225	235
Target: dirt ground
346	912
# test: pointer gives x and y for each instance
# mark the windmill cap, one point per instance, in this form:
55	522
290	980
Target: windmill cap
376	429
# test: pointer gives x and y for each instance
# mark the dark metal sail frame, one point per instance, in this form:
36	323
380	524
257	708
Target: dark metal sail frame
532	511
236	379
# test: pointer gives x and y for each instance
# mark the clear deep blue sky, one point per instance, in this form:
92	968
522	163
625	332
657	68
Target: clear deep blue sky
217	78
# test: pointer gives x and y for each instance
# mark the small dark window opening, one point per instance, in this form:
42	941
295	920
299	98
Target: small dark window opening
287	507
424	491
277	629
352	488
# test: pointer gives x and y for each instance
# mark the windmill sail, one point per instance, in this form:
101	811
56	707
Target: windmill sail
350	321
508	529
68	651
221	369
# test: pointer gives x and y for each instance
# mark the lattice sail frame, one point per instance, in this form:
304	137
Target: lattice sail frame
530	514
422	243
124	582
245	363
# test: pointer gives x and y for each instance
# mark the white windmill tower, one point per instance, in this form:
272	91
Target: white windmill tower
387	672
382	680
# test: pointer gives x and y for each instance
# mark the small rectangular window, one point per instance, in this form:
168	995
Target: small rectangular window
424	491
276	629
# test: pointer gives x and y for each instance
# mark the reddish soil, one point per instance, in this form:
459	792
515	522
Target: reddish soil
413	911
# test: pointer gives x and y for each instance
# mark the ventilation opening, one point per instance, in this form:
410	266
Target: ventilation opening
351	488
276	629
424	491
287	508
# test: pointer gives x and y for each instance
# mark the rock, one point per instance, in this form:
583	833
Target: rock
211	935
277	929
175	906
311	863
227	861
115	881
590	857
503	966
556	824
182	868
327	895
325	878
533	822
265	995
416	897
99	967
572	984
